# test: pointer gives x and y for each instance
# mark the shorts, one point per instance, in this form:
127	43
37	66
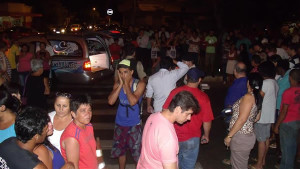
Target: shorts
127	138
46	73
262	131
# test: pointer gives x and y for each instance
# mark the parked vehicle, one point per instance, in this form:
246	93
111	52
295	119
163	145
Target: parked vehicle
76	59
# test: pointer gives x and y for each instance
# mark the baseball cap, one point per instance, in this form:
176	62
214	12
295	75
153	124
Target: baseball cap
195	73
125	63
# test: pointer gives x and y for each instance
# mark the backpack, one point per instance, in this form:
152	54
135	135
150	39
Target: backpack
140	104
133	64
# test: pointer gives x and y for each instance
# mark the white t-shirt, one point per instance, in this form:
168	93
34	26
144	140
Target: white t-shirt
282	53
55	137
192	47
270	88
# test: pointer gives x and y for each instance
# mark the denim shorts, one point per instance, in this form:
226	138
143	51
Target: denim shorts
262	131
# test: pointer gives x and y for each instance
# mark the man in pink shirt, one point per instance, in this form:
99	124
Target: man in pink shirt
189	133
160	142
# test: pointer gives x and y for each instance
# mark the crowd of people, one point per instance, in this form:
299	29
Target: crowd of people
259	68
30	70
32	138
165	68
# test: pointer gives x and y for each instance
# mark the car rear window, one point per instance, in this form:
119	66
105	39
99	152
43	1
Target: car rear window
95	47
66	48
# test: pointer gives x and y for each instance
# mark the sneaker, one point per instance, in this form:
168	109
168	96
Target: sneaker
226	161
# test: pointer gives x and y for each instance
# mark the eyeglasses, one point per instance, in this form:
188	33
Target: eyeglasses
67	95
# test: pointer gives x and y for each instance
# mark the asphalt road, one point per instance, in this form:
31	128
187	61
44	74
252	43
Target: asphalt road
210	155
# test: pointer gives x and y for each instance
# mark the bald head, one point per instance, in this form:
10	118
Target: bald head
240	70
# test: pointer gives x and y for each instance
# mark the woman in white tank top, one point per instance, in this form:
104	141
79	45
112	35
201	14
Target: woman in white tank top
60	118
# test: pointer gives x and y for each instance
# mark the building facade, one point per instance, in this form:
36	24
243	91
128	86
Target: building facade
15	14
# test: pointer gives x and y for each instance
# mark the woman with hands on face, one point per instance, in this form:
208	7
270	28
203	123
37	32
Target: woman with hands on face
241	137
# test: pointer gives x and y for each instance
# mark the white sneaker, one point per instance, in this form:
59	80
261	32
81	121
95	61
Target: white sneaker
226	161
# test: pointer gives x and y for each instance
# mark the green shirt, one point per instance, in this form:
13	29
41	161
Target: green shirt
210	40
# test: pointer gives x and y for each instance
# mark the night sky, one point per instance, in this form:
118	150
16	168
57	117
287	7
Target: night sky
231	12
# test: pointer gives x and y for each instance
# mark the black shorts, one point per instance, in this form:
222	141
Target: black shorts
46	73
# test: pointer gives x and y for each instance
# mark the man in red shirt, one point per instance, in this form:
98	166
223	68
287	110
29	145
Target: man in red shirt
289	121
190	132
115	51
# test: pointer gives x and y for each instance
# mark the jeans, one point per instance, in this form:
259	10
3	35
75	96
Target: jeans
288	141
22	77
188	153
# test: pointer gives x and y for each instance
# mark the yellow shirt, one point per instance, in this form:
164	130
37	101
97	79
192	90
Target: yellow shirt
11	54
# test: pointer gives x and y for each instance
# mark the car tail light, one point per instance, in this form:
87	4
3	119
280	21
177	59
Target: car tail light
87	65
115	31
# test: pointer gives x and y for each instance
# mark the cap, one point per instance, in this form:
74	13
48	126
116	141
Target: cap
125	62
195	73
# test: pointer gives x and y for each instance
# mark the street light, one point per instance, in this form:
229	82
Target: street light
94	9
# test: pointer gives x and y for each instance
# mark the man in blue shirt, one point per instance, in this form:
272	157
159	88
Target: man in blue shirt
238	88
128	131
